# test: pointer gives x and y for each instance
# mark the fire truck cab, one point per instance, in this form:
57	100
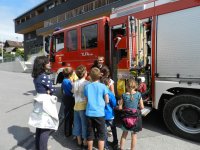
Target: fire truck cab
78	44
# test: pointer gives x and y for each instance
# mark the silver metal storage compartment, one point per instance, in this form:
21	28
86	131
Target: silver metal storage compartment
178	44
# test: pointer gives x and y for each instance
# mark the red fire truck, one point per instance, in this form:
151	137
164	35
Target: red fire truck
158	40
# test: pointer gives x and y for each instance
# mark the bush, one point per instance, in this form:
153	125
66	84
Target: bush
8	57
19	53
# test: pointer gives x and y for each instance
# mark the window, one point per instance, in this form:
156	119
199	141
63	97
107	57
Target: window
59	41
72	40
89	37
119	30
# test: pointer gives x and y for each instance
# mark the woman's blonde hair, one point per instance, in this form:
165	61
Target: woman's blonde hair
131	85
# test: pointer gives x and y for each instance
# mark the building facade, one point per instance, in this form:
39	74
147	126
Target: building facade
40	21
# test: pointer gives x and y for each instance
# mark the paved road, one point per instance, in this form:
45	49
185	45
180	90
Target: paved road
16	93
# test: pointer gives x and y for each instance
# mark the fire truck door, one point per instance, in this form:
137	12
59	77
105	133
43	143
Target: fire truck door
116	34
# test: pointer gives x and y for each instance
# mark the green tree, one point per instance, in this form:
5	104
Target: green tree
8	57
19	52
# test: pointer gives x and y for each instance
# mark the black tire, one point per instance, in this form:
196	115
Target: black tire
182	116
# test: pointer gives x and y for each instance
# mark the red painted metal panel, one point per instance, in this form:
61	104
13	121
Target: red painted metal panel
65	58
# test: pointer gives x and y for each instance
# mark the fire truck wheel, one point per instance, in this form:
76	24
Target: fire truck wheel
182	116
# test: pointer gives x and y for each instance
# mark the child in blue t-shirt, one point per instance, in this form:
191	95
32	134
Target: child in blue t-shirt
109	115
68	100
97	97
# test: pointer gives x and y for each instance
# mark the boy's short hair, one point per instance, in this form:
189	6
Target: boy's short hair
67	72
80	71
95	74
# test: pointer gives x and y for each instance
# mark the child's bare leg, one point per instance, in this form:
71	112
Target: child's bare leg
85	142
133	140
79	140
90	145
100	145
123	139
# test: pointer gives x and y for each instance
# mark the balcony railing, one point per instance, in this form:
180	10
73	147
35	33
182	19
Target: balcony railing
77	11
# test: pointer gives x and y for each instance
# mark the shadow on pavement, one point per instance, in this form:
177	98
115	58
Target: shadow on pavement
66	142
23	136
69	142
154	122
18	107
32	92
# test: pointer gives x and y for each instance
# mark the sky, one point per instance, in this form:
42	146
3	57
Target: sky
9	10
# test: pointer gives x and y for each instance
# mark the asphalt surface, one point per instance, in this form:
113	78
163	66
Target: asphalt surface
16	94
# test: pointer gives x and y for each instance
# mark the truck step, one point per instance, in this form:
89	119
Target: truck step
146	111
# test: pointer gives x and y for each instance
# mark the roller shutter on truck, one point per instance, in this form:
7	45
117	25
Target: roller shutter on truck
178	44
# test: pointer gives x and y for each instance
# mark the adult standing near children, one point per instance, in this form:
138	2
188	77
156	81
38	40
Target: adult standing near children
44	116
99	63
97	97
105	71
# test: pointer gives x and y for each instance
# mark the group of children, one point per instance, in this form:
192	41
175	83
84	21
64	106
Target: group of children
89	105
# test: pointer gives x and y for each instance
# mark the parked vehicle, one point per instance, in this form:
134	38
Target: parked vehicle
158	40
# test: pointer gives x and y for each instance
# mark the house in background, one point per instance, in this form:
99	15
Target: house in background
12	46
1	42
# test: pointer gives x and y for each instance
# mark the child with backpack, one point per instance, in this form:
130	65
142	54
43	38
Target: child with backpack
130	100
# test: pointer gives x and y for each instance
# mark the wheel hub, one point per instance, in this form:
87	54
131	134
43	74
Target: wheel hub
187	118
189	115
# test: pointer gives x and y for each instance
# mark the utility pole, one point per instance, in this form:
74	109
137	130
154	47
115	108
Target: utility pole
2	50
